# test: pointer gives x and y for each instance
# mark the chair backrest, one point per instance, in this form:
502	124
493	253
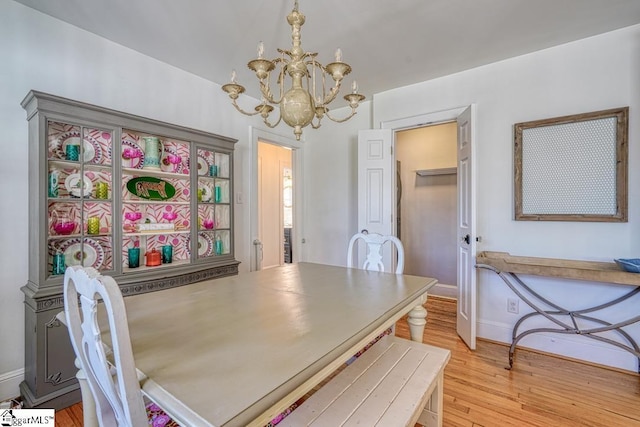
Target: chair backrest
375	244
115	387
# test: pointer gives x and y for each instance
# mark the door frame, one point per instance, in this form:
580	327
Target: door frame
297	156
434	118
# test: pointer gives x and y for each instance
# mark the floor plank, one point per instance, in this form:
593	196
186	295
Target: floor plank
540	390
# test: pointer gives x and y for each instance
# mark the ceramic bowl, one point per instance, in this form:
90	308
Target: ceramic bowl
630	265
64	228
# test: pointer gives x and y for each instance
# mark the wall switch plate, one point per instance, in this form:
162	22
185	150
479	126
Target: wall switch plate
513	305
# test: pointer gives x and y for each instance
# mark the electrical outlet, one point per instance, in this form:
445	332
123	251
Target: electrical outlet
513	305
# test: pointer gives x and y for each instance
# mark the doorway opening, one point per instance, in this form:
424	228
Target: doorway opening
466	204
275	204
282	225
426	182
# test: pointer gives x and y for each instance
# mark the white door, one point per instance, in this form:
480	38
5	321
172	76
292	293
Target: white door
376	174
273	161
255	250
466	316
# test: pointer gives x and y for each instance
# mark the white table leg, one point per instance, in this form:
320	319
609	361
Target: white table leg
417	320
88	404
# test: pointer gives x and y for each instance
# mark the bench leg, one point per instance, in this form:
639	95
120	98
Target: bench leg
431	416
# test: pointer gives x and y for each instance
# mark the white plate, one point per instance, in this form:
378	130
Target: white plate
74	253
207	194
89	152
73	184
205	245
203	166
92	151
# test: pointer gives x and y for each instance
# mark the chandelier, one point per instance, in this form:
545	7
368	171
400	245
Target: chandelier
308	94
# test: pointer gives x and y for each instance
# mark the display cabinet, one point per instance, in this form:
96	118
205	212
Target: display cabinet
144	201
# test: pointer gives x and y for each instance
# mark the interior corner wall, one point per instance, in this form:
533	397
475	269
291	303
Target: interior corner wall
41	53
331	185
592	74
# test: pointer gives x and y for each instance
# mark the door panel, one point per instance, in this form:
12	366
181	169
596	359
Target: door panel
466	316
376	178
272	162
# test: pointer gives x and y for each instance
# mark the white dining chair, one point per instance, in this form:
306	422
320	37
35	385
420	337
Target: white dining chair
374	246
113	382
374	261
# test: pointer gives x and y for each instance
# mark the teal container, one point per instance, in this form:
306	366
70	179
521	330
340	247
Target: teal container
72	152
134	257
54	178
218	246
167	254
58	264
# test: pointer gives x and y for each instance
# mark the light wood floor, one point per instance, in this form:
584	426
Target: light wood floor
541	390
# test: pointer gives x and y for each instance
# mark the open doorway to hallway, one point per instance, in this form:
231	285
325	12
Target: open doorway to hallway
275	204
427	202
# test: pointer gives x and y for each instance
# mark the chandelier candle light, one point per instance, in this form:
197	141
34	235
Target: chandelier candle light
299	105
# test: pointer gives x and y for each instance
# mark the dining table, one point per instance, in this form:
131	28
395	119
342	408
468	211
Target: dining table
238	350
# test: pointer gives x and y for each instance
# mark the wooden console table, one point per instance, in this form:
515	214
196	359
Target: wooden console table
507	267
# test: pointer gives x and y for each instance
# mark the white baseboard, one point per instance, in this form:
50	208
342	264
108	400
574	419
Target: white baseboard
572	346
445	291
10	384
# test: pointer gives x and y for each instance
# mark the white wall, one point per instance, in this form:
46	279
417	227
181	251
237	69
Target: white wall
592	74
331	186
41	53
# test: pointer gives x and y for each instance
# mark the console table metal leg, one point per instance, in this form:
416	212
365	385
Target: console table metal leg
573	315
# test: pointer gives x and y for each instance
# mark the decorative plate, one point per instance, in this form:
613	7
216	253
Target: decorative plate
203	165
136	161
92	150
166	165
207	194
74	186
629	265
75	252
205	245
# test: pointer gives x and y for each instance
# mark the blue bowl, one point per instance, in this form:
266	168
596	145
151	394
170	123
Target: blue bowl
630	265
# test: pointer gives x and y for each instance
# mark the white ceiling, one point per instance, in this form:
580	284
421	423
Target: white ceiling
388	43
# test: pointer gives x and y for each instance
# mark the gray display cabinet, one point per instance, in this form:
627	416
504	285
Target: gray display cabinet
102	183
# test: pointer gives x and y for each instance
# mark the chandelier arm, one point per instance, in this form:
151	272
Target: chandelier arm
316	126
235	104
265	84
353	113
266	93
333	92
266	122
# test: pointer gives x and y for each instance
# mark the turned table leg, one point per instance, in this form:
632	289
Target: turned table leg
417	320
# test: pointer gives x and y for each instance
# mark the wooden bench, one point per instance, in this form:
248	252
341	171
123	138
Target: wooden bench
396	382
